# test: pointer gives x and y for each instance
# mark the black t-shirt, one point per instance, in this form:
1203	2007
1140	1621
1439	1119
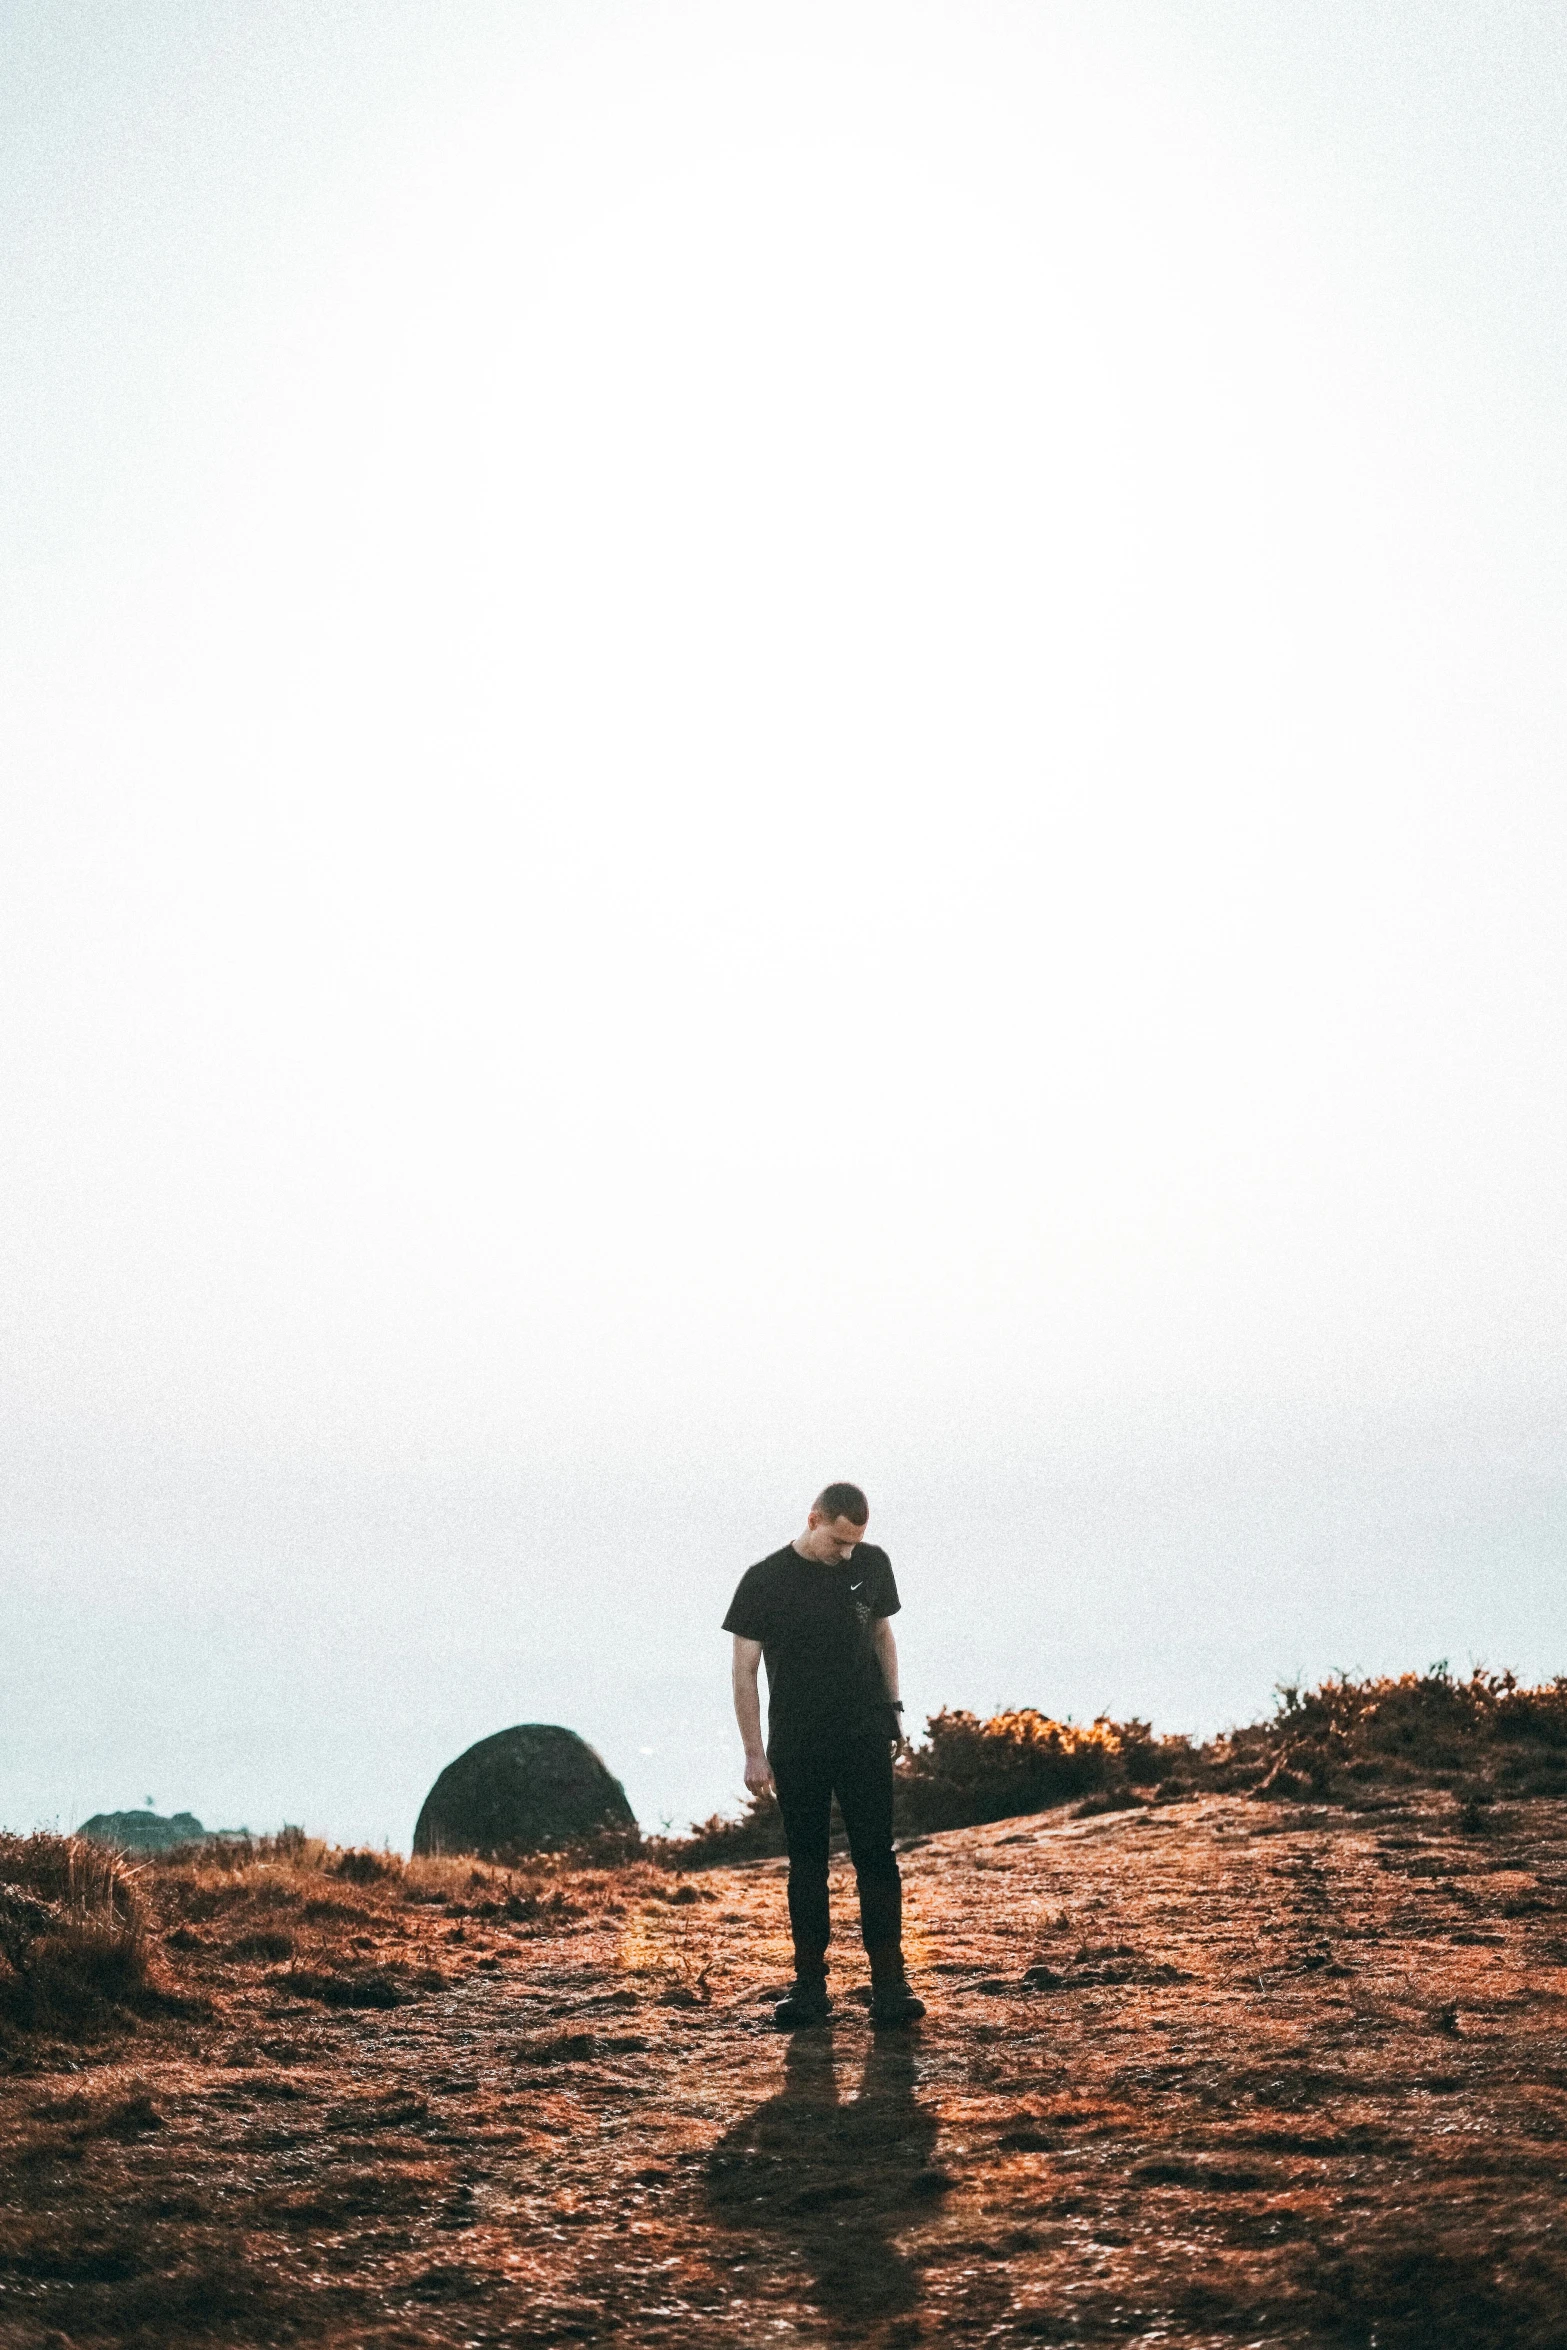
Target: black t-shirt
814	1624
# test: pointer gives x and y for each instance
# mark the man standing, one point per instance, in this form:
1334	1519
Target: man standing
819	1611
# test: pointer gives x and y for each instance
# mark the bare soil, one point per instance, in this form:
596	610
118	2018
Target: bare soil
1280	2076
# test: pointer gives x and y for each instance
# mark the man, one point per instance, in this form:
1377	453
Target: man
819	1611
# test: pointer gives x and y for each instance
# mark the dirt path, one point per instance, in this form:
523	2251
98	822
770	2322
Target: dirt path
1275	2077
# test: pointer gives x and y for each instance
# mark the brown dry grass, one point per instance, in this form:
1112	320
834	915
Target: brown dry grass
1215	2072
93	1962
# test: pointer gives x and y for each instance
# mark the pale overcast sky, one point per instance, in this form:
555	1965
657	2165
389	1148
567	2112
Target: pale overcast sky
749	743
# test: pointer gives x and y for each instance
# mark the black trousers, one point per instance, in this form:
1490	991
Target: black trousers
858	1770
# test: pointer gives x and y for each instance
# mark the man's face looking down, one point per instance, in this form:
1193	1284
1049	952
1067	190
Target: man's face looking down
829	1541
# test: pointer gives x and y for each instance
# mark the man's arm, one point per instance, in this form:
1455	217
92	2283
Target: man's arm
886	1649
748	1713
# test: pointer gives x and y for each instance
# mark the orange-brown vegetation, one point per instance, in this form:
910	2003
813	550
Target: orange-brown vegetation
1483	1737
1212	2068
1347	1741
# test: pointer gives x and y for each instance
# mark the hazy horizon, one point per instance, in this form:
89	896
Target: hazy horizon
753	744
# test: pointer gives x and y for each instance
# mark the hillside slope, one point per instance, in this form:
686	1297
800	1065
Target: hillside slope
1279	2076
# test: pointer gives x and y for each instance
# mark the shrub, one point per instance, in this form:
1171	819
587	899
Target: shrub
290	1848
967	1772
83	1952
1345	1740
756	1835
363	1867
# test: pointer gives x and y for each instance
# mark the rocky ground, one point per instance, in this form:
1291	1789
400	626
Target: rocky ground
1211	2073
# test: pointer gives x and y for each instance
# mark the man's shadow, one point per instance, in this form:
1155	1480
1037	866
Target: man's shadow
827	2182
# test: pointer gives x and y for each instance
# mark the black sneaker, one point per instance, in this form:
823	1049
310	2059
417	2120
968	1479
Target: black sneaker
807	2003
894	2003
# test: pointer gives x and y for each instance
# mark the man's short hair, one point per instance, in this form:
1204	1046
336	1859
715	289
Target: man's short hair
843	1501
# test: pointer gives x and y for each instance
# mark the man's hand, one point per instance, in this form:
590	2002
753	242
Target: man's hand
748	1713
886	1648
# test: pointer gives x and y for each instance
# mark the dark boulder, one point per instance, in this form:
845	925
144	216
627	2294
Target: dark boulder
524	1790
